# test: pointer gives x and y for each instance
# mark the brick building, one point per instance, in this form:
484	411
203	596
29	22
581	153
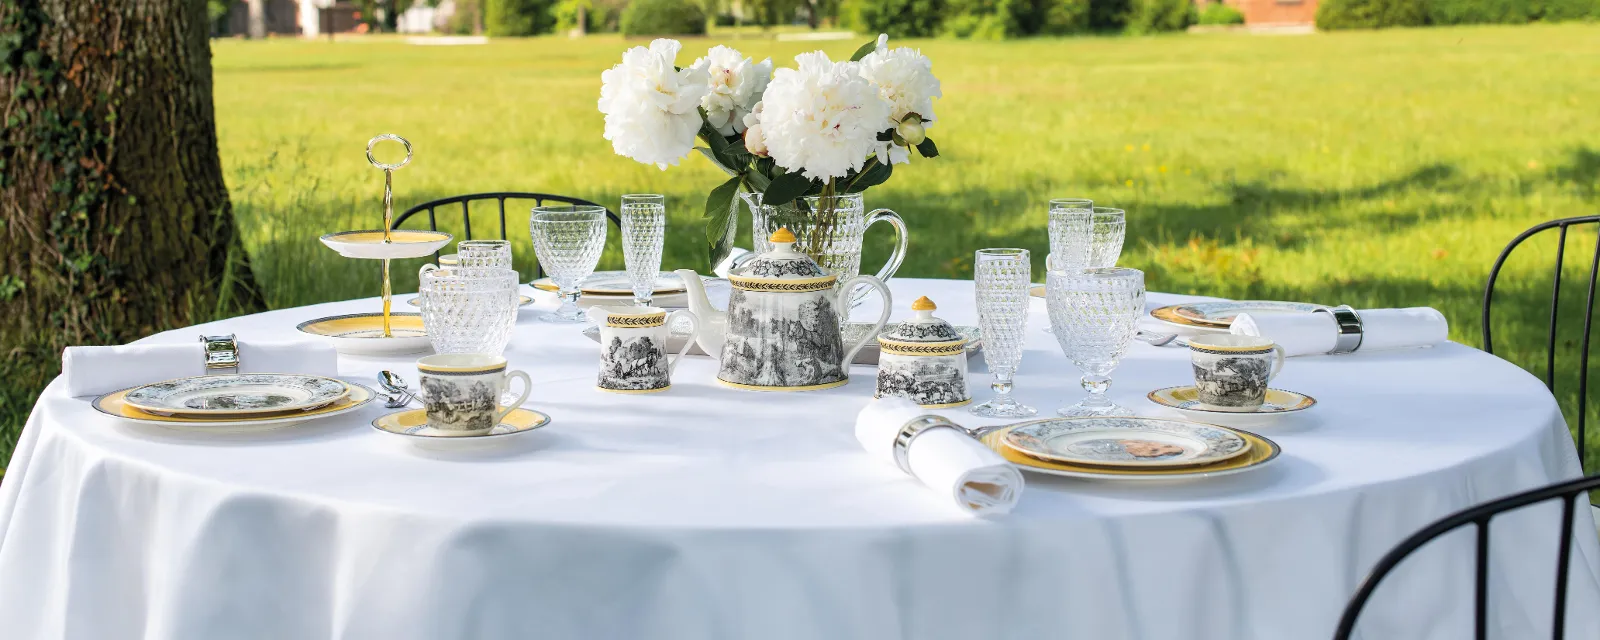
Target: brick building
1276	12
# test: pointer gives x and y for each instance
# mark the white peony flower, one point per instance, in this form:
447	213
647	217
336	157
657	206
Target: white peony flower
736	86
651	108
904	78
754	141
823	118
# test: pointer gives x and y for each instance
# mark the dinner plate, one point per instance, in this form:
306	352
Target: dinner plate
522	301
113	404
1186	400
362	333
1262	452
616	283
412	426
1126	442
237	394
402	243
1219	314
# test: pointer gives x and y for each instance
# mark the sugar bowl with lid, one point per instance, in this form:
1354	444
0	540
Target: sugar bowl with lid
923	359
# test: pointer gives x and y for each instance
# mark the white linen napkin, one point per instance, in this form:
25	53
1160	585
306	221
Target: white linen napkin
91	371
975	478
1314	333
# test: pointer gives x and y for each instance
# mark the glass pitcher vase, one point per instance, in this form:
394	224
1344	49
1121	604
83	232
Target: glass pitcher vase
830	229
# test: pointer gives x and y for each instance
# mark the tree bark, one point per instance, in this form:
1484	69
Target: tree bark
117	222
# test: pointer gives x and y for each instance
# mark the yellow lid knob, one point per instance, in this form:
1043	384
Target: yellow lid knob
782	235
923	304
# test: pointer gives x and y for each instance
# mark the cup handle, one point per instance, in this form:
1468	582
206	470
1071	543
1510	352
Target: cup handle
527	388
883	316
425	269
694	334
1278	354
901	240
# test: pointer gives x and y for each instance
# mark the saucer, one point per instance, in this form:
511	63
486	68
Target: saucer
412	425
1185	399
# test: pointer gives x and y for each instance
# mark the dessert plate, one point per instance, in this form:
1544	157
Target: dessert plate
237	394
1261	453
113	404
1130	442
616	283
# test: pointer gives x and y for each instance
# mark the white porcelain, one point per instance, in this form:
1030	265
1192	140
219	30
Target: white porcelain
924	360
370	244
411	427
781	331
633	347
1232	372
1279	404
112	404
237	394
1126	442
361	334
461	392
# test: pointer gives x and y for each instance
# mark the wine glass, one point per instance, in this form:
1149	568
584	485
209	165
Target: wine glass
1095	313
644	230
1001	278
568	240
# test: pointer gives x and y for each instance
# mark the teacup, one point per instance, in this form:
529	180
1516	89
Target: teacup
1231	372
461	392
633	347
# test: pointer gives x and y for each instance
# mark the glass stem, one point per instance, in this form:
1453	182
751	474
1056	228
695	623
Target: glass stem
1096	385
1002	385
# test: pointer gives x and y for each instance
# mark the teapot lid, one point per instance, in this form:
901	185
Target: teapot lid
922	327
781	263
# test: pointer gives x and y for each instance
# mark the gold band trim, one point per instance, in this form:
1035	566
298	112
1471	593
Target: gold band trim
787	286
922	348
460	371
634	322
1230	349
754	387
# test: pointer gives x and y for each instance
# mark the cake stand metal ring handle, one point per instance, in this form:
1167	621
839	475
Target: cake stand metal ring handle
385	166
909	432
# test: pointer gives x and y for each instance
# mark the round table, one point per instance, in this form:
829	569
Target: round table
707	512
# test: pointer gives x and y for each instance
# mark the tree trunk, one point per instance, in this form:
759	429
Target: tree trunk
117	222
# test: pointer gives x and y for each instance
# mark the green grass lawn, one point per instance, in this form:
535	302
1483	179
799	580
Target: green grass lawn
1374	169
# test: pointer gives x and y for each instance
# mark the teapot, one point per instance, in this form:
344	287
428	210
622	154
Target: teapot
781	331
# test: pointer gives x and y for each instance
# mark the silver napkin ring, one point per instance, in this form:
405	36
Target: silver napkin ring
909	432
222	353
1349	322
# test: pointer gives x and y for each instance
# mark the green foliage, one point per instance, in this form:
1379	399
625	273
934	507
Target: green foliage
1334	15
1155	16
663	18
603	16
467	19
1109	15
1448	12
1217	13
999	19
898	18
1565	10
515	18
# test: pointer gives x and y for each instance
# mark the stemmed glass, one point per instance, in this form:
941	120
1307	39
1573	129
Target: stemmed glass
1001	278
568	240
644	230
1095	313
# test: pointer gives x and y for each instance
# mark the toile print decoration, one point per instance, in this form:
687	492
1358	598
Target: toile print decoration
924	360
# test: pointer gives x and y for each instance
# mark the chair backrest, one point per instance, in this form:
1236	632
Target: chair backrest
500	197
1562	226
1568	493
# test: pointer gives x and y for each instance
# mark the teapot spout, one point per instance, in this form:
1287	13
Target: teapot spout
713	323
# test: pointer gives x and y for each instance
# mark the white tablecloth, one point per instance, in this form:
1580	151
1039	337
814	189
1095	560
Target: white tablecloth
710	513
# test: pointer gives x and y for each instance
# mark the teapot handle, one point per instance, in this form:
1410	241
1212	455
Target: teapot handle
883	316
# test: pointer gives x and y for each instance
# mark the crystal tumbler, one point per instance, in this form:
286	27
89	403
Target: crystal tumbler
469	310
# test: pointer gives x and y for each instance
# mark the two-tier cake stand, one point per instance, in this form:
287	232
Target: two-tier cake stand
385	333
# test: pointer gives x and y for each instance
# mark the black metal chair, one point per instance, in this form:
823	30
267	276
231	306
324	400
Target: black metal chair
1568	492
500	197
1562	226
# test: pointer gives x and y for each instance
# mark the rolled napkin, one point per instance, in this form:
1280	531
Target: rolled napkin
1303	334
91	371
972	476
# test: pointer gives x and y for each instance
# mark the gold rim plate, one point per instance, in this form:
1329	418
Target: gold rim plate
1262	451
1187	398
365	326
114	405
604	283
307	406
1203	444
413	424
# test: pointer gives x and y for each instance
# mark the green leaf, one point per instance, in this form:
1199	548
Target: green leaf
875	175
869	47
719	219
784	189
712	156
927	148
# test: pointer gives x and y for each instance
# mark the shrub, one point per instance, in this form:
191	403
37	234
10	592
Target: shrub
603	16
1370	14
1218	13
1562	10
1050	17
663	18
518	18
1109	15
1155	16
1478	11
898	18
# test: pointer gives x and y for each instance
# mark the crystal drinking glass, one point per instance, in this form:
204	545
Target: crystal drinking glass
469	310
1071	233
1095	313
483	254
644	230
1001	278
568	240
1109	228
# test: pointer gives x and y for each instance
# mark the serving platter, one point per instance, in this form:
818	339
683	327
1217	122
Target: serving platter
1126	442
362	333
114	404
237	394
369	243
1219	314
1262	452
412	426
